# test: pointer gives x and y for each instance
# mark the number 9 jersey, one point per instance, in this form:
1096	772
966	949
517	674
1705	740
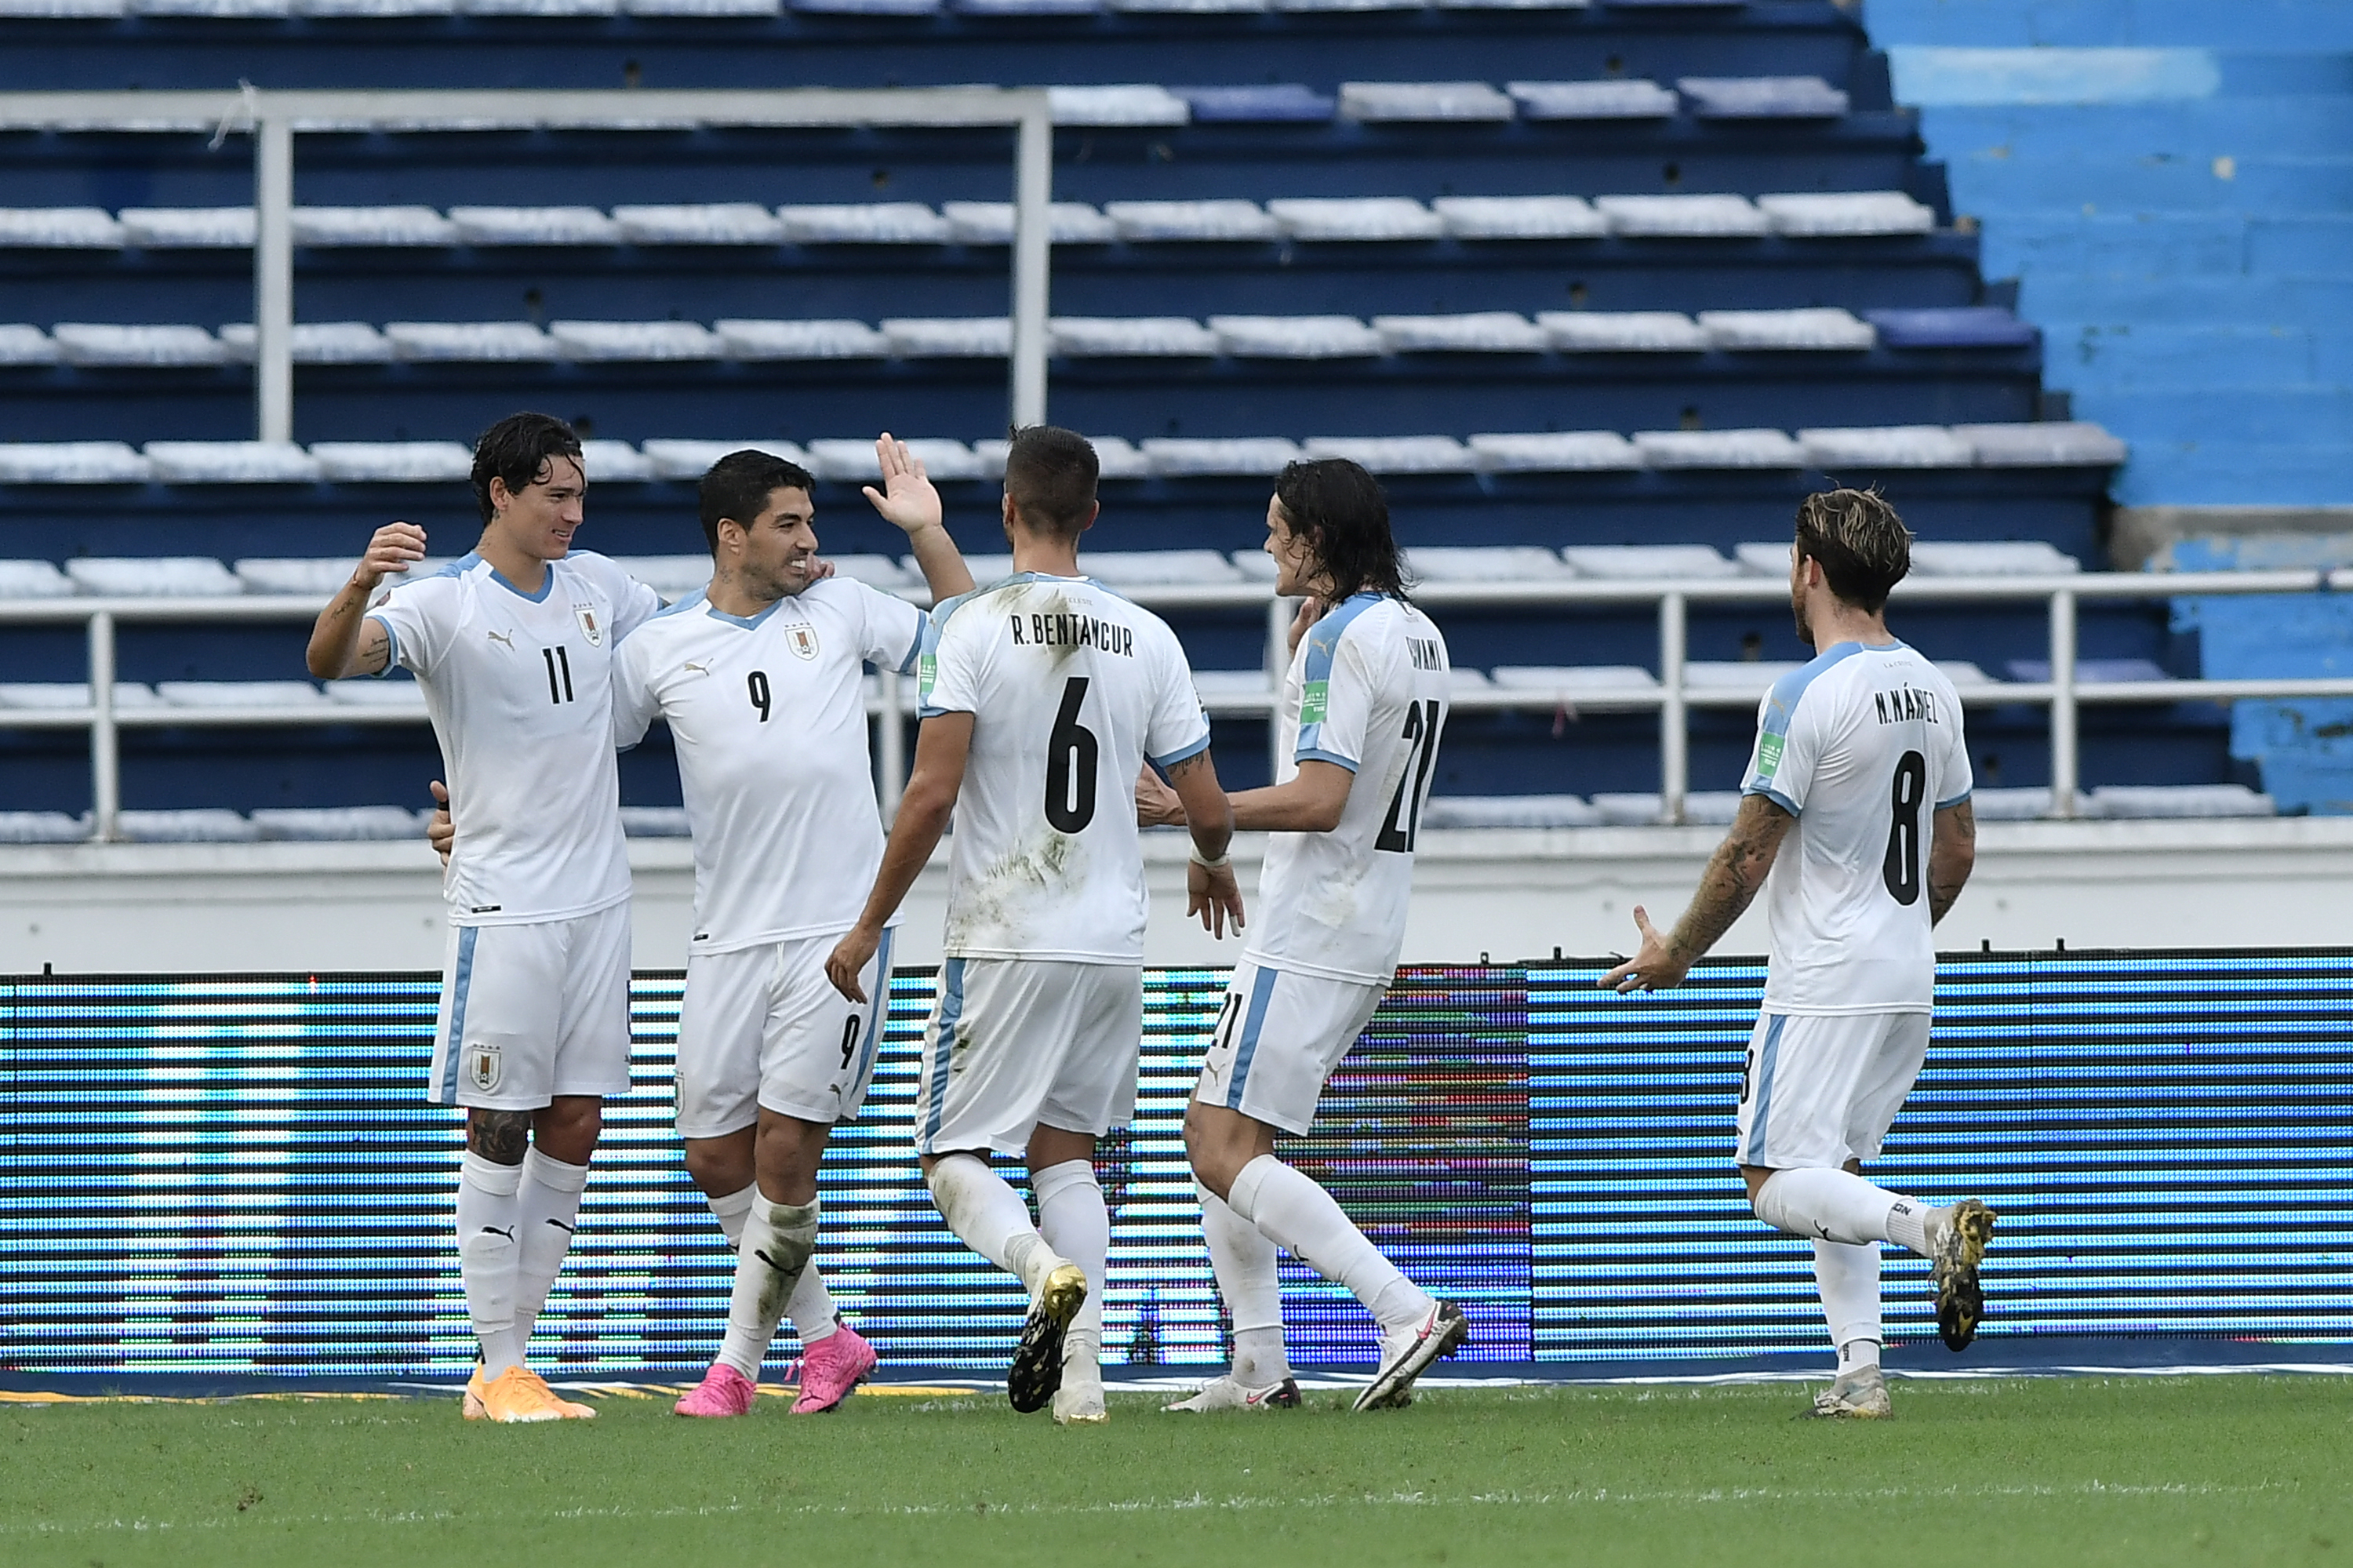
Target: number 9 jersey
1367	690
1863	747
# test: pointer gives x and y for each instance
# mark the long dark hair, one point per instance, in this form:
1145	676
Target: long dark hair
1345	517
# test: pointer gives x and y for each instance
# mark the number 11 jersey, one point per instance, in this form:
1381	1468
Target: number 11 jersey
1863	747
1071	688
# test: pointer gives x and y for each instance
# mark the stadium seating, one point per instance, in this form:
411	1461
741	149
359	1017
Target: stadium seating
1600	289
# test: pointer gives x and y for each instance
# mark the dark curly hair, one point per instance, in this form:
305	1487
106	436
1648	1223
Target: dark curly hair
515	450
1343	513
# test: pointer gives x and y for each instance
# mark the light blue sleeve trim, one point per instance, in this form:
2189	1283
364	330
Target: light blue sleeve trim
1957	799
1335	758
1322	643
1173	758
914	653
392	650
1775	796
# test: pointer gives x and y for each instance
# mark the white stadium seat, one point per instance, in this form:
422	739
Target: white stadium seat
1840	214
42	828
1481	331
1719	449
205	826
1296	337
708	223
1893	445
32	580
641	341
1356	217
240	695
1622	332
1520	217
1823	329
1157	337
2001	558
73	694
534	225
1648	561
692	459
1627	99
949	337
874	223
1196	220
188	227
1484	564
1509	812
800	340
1682	216
991	223
1396	454
154	576
232	463
101	344
1422	102
1562	452
403	463
1256	456
338	824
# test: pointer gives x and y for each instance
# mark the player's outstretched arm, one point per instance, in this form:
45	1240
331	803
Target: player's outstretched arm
343	641
908	500
1311	802
1726	888
942	747
1210	890
1952	855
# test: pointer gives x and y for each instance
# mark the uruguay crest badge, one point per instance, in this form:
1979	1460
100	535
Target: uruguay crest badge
803	639
590	626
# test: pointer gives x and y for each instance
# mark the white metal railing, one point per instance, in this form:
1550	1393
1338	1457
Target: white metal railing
275	118
1672	697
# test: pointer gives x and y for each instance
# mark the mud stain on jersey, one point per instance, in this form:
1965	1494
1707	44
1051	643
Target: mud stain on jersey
993	912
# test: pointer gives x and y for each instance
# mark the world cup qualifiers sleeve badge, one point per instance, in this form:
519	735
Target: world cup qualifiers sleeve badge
590	626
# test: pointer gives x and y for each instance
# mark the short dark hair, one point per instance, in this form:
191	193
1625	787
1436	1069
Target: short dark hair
739	485
515	450
1862	544
1345	515
1050	474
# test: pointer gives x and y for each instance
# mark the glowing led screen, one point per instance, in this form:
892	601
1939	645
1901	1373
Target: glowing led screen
235	1174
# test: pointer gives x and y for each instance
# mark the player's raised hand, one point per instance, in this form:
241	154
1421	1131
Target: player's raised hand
906	499
1654	967
395	548
848	960
1211	892
440	831
1311	611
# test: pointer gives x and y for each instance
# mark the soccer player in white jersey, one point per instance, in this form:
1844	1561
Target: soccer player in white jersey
512	645
1363	705
1855	823
761	680
1042	697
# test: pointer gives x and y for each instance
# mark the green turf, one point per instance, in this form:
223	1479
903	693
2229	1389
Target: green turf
2208	1470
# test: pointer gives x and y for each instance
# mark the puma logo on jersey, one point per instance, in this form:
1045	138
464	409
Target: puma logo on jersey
691	668
503	637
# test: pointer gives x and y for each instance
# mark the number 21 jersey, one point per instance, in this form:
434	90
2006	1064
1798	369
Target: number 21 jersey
1863	747
1071	688
1367	690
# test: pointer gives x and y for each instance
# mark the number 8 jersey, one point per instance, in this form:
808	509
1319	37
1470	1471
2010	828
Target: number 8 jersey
1863	747
1367	690
1071	688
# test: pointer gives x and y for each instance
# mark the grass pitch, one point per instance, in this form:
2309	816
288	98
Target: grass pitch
2077	1471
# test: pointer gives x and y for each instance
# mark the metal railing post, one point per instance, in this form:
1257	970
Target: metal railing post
2065	765
105	756
891	754
273	275
1033	195
1279	611
1674	730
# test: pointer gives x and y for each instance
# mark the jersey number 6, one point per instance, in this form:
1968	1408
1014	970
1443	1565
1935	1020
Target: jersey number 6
1070	755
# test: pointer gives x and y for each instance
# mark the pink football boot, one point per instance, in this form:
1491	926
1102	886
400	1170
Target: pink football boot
831	1368
724	1391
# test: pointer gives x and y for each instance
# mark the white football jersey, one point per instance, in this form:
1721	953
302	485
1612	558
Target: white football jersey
519	689
1367	691
1863	747
769	718
1071	688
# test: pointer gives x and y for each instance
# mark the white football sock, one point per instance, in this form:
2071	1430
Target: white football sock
547	1206
1847	1275
1076	1222
1291	1210
730	1211
1840	1206
487	1254
989	1217
1244	1262
769	1263
811	1307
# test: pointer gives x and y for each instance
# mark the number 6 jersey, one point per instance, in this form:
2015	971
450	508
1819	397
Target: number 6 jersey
1863	747
768	714
1367	690
1071	688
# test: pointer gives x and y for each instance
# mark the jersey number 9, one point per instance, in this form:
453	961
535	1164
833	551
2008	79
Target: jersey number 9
757	683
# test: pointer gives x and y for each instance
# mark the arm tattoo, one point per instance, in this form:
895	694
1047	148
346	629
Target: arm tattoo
500	1136
1194	763
1729	884
1944	879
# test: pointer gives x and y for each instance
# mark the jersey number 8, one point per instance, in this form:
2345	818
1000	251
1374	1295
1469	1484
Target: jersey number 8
1901	871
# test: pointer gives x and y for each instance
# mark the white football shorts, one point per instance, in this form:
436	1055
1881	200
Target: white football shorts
1820	1090
1015	1042
1279	1037
763	1028
533	1011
